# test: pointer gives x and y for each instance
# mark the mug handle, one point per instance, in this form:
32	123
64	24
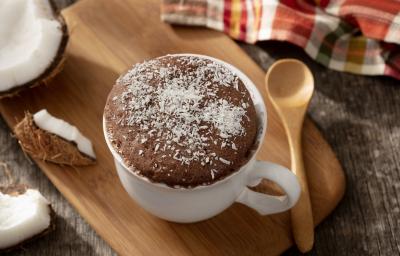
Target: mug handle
266	204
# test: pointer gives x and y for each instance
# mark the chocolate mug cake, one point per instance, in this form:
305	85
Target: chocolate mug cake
184	131
181	120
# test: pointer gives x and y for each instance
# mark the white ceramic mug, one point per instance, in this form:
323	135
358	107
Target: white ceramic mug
187	205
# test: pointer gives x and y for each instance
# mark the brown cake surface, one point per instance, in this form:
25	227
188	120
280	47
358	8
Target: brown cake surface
181	120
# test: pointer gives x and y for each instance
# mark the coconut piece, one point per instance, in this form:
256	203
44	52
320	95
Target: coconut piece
25	215
63	129
33	38
51	139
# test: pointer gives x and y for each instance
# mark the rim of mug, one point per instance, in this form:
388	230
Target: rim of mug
254	94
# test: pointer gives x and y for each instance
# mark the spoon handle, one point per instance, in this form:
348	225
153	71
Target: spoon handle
301	213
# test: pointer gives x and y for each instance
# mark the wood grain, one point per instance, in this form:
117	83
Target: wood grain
100	49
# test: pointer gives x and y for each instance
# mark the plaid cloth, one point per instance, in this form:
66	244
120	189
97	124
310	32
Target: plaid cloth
357	36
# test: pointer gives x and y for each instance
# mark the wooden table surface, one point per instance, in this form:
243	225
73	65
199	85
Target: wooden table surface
359	116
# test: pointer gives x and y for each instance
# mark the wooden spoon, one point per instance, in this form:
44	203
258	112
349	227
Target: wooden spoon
290	86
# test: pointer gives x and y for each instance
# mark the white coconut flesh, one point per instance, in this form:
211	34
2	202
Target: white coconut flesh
30	36
51	124
22	217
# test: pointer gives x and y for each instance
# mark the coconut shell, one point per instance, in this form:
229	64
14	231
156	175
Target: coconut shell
18	189
43	145
54	68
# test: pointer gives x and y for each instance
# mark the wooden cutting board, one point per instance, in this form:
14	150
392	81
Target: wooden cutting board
107	37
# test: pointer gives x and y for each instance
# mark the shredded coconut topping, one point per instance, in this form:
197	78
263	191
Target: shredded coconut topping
183	108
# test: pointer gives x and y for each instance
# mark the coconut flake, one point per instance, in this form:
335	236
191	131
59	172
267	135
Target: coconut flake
224	161
213	172
65	130
234	146
30	37
22	217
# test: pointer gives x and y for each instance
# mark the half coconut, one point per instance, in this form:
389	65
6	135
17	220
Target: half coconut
33	39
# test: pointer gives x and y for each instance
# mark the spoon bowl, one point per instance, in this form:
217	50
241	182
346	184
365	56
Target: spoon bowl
290	83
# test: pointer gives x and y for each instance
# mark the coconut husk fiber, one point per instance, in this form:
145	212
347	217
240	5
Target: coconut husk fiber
54	68
16	190
43	145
